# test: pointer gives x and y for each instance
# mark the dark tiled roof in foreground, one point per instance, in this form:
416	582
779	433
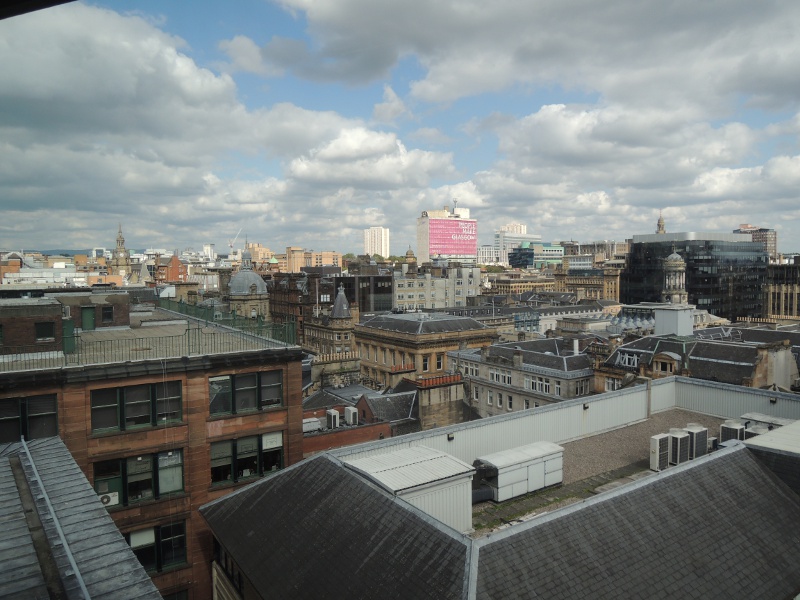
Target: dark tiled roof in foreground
721	527
104	561
318	530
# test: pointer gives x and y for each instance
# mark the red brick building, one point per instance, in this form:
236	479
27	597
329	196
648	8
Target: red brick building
160	419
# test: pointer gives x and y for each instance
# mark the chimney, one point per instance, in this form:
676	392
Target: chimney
575	348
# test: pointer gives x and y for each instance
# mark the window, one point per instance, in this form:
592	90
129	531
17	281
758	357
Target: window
527	404
499	400
546	386
248	392
439	362
476	393
510	403
582	387
425	362
159	548
45	331
612	384
126	481
135	406
246	458
33	417
489	397
107	314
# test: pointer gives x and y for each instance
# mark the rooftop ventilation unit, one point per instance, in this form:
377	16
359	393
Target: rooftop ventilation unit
351	415
731	429
332	418
659	452
755	430
698	440
678	446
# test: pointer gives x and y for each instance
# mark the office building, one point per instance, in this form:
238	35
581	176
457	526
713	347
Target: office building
376	241
509	237
161	414
768	238
448	235
725	273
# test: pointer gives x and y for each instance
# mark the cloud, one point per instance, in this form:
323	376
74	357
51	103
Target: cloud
245	56
391	109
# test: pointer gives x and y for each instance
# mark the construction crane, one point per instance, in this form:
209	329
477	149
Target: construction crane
233	241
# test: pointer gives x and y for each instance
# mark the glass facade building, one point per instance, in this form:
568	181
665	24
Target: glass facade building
723	276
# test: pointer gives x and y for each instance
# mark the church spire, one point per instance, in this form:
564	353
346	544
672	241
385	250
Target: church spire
660	228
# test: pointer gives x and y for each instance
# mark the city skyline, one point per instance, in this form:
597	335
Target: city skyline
301	123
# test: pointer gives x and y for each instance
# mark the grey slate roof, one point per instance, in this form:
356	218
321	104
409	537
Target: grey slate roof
553	353
724	361
422	323
104	561
392	407
720	527
323	531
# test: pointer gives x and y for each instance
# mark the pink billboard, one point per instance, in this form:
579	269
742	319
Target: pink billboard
453	237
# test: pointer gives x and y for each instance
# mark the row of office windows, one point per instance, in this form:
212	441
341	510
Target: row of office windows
127	481
501	399
137	406
249	392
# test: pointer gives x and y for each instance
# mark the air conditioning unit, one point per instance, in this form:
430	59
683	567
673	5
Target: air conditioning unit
731	429
659	452
698	440
333	418
713	444
755	430
351	415
110	499
678	446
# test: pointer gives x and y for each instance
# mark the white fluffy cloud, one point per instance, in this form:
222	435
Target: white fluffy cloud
582	119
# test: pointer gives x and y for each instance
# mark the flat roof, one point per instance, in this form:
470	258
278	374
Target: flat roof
784	439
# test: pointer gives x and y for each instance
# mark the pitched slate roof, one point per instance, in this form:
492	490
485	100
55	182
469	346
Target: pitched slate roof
422	323
62	499
392	407
725	362
555	354
323	531
720	527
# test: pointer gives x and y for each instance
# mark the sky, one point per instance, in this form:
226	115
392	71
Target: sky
301	123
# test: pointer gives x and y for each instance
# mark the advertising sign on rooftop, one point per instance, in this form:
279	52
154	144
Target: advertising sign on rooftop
453	237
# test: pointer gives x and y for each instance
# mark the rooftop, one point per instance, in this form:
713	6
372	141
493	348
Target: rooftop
57	539
159	335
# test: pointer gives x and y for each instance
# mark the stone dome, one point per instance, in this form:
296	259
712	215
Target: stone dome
242	284
674	257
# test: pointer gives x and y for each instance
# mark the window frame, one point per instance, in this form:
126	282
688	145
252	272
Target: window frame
263	380
123	405
24	413
44	336
161	535
107	313
261	450
106	479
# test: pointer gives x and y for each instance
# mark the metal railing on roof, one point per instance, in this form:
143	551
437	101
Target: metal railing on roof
194	341
282	332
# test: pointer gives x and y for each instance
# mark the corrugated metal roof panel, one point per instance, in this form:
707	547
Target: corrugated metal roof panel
410	467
